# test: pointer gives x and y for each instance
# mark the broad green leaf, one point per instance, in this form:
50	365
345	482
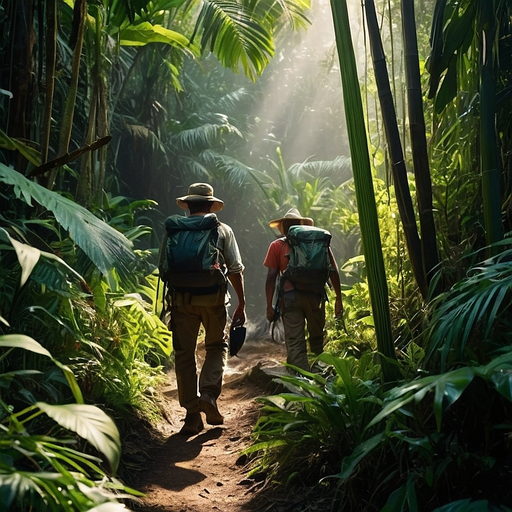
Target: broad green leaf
107	248
24	342
91	423
503	383
28	343
17	484
396	500
13	485
145	33
466	505
448	389
350	462
28	257
31	154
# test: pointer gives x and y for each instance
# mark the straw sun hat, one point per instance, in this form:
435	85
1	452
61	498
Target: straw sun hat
294	215
200	192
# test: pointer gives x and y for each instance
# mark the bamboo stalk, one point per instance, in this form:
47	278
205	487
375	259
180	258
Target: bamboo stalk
365	196
488	156
80	15
396	155
418	136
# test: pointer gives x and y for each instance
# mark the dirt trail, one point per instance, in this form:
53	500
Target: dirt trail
205	473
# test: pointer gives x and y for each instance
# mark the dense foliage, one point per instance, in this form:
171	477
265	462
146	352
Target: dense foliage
118	106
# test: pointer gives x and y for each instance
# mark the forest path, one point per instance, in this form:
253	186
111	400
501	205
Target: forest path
205	472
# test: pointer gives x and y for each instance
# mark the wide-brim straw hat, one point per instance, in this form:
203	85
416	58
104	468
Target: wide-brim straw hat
291	214
200	192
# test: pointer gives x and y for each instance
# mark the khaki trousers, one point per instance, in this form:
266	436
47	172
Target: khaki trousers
186	319
299	308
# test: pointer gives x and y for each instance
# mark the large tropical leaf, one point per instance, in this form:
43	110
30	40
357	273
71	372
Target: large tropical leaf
56	492
24	342
203	137
27	343
475	306
281	12
107	248
91	423
146	33
235	37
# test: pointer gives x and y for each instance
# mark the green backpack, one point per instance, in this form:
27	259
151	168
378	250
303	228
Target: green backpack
310	265
191	261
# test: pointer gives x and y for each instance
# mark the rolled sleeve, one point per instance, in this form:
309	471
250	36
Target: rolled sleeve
229	248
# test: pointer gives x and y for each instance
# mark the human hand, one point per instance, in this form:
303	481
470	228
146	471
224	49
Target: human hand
239	316
271	314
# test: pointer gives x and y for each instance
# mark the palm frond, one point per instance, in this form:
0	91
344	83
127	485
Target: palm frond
281	13
339	169
230	101
475	306
107	248
232	34
203	137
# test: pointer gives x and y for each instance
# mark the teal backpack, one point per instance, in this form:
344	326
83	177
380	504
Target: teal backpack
190	260
310	265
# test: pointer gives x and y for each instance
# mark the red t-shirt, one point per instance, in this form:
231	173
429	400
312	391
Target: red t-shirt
278	257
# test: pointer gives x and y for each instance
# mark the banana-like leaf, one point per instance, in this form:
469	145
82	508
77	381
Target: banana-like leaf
28	257
145	33
107	248
62	489
24	342
18	484
91	423
466	505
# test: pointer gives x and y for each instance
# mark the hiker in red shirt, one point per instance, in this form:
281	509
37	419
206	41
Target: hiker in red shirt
297	307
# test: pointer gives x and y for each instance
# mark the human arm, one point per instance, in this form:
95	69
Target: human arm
237	281
270	285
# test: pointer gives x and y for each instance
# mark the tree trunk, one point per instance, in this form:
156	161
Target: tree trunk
22	40
488	151
399	171
51	52
79	19
419	141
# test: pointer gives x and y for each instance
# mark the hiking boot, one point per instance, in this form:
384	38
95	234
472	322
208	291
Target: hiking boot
208	405
193	424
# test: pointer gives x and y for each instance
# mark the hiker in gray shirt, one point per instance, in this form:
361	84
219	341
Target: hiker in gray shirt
201	297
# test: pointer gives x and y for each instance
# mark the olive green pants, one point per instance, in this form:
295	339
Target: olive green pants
299	309
186	320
